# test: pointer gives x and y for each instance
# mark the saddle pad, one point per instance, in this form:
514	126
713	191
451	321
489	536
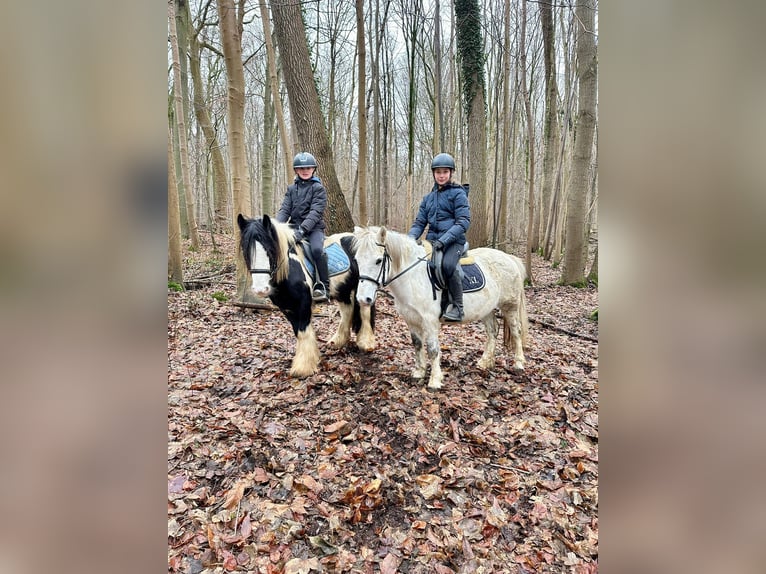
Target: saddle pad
337	260
473	278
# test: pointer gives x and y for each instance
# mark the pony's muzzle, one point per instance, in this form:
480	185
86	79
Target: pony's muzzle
365	300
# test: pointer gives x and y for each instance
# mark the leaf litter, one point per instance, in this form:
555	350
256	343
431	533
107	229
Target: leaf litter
359	468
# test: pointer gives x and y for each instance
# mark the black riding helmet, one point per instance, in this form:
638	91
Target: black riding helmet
304	159
443	160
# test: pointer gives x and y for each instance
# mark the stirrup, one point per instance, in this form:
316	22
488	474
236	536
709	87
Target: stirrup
453	314
319	294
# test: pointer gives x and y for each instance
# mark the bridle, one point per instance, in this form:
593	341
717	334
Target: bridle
381	281
271	271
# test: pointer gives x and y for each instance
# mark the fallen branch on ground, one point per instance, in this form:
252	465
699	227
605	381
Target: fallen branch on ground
560	330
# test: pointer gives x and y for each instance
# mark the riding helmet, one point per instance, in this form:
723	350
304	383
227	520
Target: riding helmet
443	160
304	159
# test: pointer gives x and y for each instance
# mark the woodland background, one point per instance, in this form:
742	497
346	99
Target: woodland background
358	468
374	90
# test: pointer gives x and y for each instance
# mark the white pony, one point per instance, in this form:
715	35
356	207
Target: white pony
394	260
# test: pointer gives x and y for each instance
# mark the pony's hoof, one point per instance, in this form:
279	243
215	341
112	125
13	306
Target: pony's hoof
435	385
419	374
518	366
486	364
366	345
338	343
302	373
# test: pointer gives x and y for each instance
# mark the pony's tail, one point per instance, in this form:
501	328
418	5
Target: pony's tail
521	317
524	320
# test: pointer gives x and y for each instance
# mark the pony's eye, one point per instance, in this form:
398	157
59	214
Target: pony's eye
378	261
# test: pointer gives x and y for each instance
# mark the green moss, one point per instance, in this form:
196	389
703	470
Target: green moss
594	316
173	286
220	296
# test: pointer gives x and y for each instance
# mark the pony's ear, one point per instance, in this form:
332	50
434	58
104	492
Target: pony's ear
358	229
382	235
242	222
266	221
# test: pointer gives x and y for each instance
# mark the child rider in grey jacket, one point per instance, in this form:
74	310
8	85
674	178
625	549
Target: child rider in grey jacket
304	206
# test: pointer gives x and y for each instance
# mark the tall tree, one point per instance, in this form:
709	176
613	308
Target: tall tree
575	243
362	113
550	126
230	23
175	267
181	126
268	149
505	186
221	191
470	49
271	58
304	104
440	142
530	135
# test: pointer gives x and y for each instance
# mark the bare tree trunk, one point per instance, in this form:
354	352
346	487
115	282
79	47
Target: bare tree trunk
284	134
362	114
183	147
530	136
593	273
376	87
175	262
221	191
267	151
306	112
439	139
229	23
505	184
551	128
470	47
575	244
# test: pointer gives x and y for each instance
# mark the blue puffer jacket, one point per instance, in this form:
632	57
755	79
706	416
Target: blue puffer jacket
446	212
304	204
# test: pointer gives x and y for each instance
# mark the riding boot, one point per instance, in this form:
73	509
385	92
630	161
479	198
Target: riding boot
454	312
322	287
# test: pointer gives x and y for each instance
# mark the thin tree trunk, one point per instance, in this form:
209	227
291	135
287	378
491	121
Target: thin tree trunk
183	147
505	184
593	273
221	191
284	134
575	243
439	139
306	112
551	128
175	262
240	183
362	114
530	136
267	151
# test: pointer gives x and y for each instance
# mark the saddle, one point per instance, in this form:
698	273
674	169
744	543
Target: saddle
337	259
470	272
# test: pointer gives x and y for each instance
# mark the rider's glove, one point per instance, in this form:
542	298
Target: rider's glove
437	245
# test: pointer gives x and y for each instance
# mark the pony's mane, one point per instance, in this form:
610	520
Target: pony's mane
398	245
277	245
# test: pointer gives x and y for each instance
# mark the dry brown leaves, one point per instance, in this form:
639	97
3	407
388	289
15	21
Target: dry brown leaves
361	469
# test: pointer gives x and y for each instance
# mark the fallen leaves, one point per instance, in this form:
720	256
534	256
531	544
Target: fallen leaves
361	469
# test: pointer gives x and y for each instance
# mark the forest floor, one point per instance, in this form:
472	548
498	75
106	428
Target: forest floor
360	468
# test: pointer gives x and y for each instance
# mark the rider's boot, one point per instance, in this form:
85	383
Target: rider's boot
454	312
322	287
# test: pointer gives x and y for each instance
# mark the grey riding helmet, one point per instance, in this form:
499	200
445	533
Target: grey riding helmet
304	159
443	160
